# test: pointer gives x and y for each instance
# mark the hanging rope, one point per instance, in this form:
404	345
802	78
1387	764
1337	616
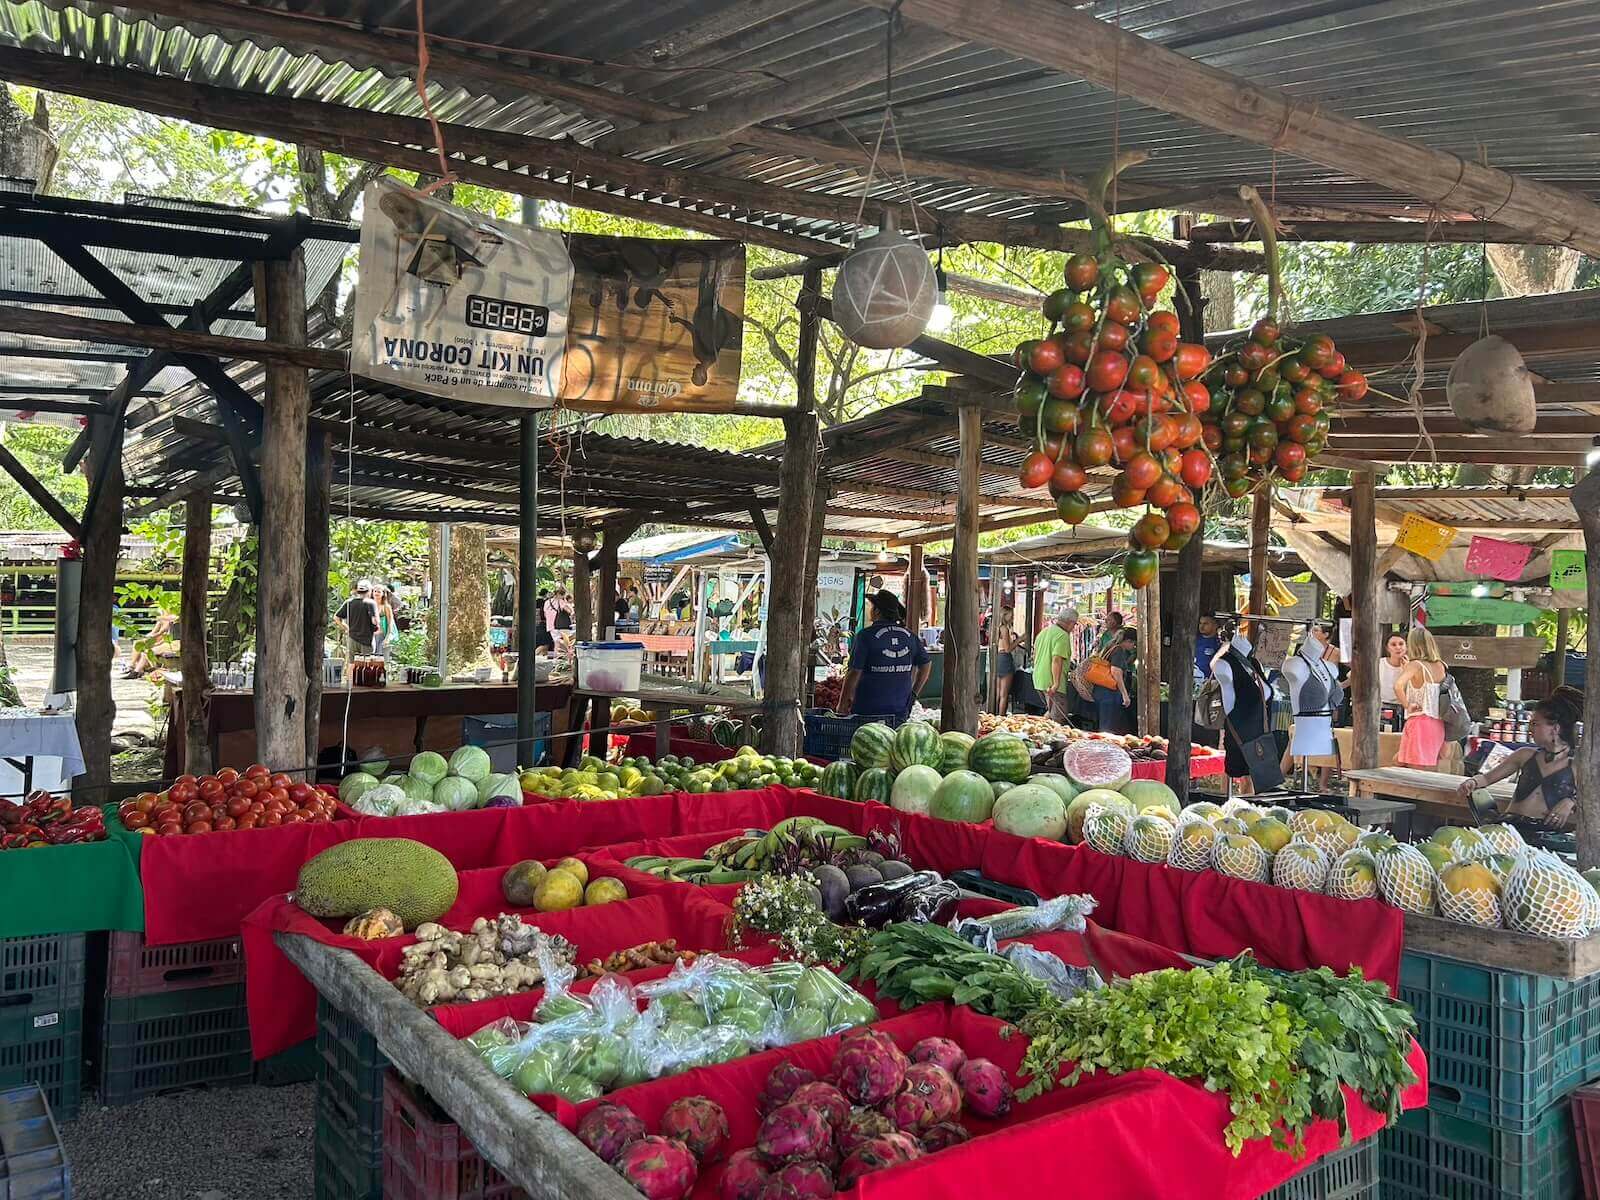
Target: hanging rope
446	175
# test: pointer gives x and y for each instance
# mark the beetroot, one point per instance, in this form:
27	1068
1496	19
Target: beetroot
661	1168
986	1088
700	1124
874	1154
939	1051
743	1176
811	1180
608	1128
792	1131
862	1125
869	1070
944	1135
835	1107
930	1096
780	1085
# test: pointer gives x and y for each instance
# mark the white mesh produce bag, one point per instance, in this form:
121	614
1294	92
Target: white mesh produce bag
1106	829
1469	892
1149	838
1545	897
1300	866
1242	857
1353	876
1406	879
1193	846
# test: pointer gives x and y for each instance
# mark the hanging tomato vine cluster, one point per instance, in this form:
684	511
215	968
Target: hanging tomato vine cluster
1113	384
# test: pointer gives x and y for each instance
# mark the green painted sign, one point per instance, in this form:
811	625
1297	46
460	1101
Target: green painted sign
1474	610
1480	589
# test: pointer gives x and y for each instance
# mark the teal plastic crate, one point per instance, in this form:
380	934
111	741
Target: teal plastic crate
1502	1046
1433	1155
171	1040
45	1048
1348	1174
350	1071
43	974
297	1064
347	1162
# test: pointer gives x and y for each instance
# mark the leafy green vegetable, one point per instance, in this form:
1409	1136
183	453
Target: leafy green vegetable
917	963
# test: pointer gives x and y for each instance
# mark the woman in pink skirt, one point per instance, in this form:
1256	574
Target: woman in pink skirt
1417	690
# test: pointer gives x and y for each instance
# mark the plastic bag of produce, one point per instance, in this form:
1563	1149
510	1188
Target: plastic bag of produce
1061	914
712	991
1063	981
810	1002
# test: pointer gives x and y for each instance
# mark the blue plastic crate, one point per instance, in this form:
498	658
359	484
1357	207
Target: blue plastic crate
497	736
1348	1174
828	734
1436	1156
33	1165
1502	1046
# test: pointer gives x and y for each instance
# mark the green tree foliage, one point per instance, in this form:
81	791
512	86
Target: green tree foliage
39	447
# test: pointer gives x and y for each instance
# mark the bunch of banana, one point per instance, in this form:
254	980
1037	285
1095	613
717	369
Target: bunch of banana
1280	596
687	870
809	836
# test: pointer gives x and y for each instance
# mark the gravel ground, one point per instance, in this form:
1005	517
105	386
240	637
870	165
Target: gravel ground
249	1143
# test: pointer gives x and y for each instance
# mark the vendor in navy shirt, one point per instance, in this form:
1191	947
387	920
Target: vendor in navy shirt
1206	646
888	666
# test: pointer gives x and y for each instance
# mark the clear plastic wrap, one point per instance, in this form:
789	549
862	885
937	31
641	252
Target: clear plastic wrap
1063	981
1060	914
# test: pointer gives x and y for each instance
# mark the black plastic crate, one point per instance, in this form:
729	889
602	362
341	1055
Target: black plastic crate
347	1163
350	1071
1437	1156
42	974
297	1064
171	1040
1348	1174
33	1165
828	735
44	1048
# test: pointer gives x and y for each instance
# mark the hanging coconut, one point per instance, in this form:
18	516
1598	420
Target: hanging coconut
1490	387
584	540
884	292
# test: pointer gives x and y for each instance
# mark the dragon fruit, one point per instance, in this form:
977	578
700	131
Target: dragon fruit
869	1070
985	1087
773	1188
810	1180
905	1143
835	1107
862	1125
944	1135
930	1096
700	1124
661	1168
874	1154
780	1085
940	1051
607	1129
792	1131
743	1176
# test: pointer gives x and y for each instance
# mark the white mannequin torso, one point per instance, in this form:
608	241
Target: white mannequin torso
1222	670
1313	733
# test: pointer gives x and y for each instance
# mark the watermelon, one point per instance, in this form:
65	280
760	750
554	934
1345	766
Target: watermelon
870	745
874	783
914	788
963	796
1146	793
1000	787
955	748
1059	784
1096	764
1031	810
839	779
916	743
1001	756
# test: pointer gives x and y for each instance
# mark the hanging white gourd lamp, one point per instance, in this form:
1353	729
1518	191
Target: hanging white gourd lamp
1491	388
884	292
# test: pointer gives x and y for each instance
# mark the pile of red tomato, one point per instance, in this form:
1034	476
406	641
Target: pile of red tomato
1113	384
230	799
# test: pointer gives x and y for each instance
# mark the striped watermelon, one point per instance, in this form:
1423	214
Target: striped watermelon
1000	757
838	779
870	745
875	783
916	744
956	745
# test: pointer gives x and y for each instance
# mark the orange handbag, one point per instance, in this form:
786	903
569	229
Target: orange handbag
1097	673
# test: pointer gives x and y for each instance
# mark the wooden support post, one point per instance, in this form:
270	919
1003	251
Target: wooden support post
991	691
605	616
1180	678
96	710
318	533
196	668
797	487
1586	499
808	612
1364	649
280	638
527	619
916	590
1260	523
1149	670
961	610
1558	674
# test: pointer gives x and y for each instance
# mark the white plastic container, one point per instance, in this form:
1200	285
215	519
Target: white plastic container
612	667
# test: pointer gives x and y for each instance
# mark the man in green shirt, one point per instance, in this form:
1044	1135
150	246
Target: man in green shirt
1052	662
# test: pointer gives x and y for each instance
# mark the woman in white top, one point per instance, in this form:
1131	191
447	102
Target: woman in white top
1417	690
1394	661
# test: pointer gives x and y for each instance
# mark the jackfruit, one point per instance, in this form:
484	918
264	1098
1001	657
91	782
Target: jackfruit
411	880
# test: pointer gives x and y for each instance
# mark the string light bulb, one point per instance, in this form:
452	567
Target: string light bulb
943	316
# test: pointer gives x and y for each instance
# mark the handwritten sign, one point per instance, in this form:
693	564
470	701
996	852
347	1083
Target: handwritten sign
1567	571
1424	538
1497	559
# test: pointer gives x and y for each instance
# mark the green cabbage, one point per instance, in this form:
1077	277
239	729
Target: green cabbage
499	785
384	800
455	793
470	762
429	767
354	784
414	788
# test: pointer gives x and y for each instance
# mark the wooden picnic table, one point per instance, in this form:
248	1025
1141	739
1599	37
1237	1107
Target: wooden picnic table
1433	792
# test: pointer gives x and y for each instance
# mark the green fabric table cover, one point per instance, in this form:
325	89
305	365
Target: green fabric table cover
73	889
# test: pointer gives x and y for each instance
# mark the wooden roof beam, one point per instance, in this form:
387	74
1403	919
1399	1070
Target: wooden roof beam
732	116
1072	40
1374	232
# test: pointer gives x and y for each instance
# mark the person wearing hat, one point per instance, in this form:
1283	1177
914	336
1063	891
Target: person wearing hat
888	666
358	619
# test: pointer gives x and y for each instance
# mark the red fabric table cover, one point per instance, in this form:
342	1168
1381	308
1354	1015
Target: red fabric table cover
1200	766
